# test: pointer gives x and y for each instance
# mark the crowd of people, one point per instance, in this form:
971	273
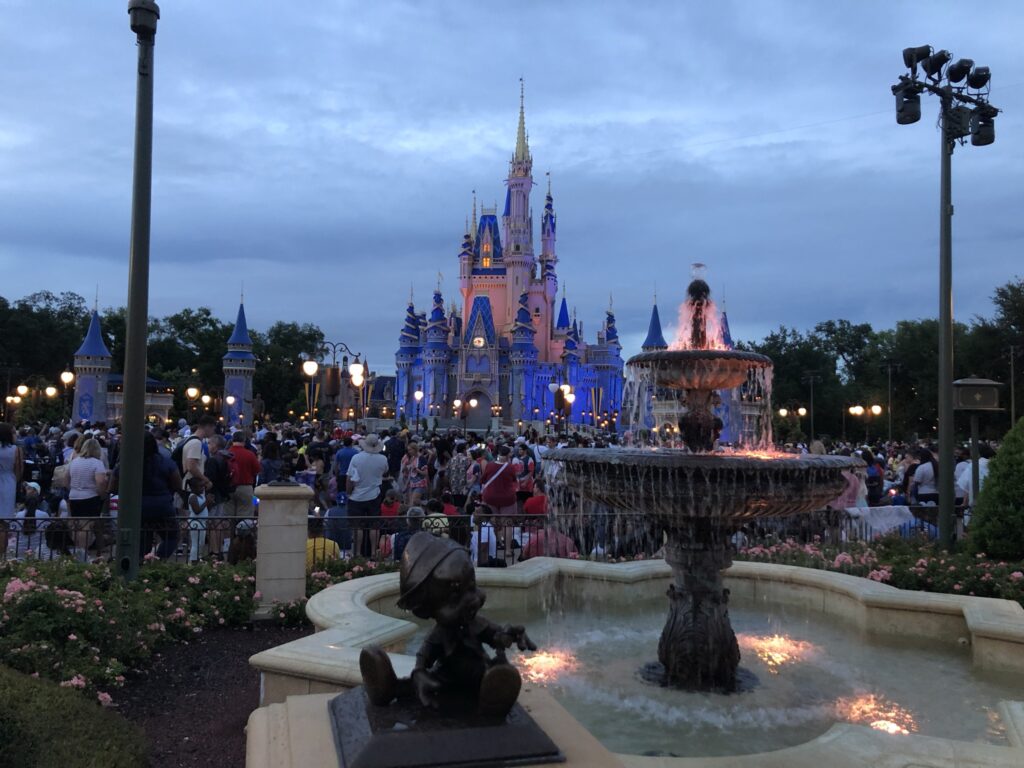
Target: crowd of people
371	492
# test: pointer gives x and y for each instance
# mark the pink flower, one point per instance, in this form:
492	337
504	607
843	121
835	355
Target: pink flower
104	699
150	557
1016	576
257	595
193	579
75	682
957	587
842	559
72	636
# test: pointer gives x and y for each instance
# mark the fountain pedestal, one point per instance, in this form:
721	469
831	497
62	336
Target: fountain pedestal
698	649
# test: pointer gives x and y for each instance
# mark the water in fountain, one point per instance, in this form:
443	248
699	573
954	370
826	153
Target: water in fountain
692	496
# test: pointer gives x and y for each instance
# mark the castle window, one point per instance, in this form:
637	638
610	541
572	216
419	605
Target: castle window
486	262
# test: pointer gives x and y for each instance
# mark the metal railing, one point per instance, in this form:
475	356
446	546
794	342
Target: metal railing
494	540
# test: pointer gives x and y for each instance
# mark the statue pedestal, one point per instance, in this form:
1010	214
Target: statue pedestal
297	734
281	545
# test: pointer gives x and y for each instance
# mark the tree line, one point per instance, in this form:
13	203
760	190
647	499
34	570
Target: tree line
40	333
848	363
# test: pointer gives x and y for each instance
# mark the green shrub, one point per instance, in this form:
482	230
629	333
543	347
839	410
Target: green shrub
43	725
997	527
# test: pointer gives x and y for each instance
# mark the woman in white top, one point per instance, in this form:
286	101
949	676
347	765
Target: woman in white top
88	479
924	488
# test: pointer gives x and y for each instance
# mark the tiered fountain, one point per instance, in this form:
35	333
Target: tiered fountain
696	496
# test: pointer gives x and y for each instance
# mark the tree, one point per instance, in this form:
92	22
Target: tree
997	527
279	354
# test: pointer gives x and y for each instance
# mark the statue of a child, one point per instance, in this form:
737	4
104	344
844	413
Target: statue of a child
453	671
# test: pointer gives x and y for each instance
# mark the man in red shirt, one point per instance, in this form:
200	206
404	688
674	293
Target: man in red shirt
537	504
246	468
499	484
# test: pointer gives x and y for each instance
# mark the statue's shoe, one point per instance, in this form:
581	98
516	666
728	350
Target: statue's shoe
379	676
499	690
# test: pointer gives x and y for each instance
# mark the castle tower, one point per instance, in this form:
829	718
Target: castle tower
435	360
239	366
518	221
406	360
523	362
92	367
655	340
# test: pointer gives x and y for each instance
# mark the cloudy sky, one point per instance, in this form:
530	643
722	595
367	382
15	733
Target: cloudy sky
325	153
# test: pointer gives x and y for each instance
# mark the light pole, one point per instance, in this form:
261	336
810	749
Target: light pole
418	397
472	404
889	366
310	368
810	377
66	378
192	393
957	85
143	16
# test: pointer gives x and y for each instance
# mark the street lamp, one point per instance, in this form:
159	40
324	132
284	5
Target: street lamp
50	391
66	378
783	412
310	367
957	121
418	397
21	389
801	411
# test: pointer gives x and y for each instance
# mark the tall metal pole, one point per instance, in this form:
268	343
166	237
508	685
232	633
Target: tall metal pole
812	409
946	426
975	469
1013	387
889	406
143	15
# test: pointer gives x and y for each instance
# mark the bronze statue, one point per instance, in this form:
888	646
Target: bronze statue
453	671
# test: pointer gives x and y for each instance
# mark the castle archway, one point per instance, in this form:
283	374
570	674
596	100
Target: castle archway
479	418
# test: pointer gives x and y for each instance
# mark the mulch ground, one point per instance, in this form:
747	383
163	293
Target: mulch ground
194	700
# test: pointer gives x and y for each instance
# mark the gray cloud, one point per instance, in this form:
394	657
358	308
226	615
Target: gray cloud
325	154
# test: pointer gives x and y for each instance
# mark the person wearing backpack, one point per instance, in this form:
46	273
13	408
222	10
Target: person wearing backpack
220	471
190	454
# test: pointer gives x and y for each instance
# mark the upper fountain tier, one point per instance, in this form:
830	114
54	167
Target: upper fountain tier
699	369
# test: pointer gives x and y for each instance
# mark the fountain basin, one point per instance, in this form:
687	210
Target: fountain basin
699	369
673	485
350	617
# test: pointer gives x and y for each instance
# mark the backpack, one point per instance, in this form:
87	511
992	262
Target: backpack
220	469
177	455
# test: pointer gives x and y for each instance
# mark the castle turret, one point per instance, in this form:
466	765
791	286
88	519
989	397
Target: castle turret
523	362
518	222
239	367
92	368
655	340
405	362
435	356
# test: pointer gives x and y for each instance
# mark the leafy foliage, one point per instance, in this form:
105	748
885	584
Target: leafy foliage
997	526
44	725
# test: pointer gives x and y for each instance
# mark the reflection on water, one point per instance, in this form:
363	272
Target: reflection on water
776	651
546	666
877	712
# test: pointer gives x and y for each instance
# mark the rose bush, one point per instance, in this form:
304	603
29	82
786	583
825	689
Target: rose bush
83	627
907	564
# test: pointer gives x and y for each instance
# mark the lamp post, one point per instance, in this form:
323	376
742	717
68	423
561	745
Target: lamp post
889	365
975	395
66	378
957	85
472	404
310	368
418	397
811	377
192	393
457	405
143	16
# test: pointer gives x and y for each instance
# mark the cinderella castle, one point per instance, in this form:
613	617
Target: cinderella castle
508	353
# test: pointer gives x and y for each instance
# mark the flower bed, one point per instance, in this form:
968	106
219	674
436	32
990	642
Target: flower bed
85	628
905	564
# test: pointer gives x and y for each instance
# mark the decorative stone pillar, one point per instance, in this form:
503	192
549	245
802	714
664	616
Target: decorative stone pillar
281	545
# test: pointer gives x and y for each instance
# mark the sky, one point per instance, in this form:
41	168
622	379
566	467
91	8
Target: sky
324	154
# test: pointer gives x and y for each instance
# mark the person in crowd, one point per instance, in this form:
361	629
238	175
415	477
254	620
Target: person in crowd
160	482
319	549
88	478
198	516
220	471
11	469
271	465
458	480
414	470
363	481
413	525
525	473
246	470
194	451
498	489
483	542
548	542
924	489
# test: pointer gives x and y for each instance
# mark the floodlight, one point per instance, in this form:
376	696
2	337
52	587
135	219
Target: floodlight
933	65
912	56
783	412
908	106
983	128
959	70
979	78
310	367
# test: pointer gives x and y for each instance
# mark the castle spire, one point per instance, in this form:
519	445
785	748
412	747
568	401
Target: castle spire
473	231
522	145
655	339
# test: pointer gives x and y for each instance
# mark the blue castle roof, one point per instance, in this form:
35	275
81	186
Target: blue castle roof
611	333
410	335
563	316
93	345
726	334
488	223
240	335
655	339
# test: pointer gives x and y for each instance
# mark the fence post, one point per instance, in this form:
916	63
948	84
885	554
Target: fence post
281	545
